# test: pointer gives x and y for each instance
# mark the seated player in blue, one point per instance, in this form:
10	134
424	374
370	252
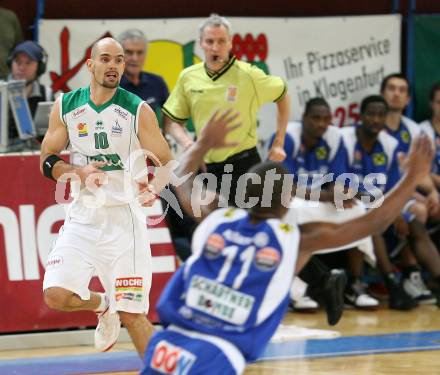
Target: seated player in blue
316	155
395	89
372	155
432	129
224	303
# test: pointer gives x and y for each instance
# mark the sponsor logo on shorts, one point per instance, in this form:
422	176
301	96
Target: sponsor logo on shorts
267	259
128	296
54	262
79	112
214	245
128	284
171	359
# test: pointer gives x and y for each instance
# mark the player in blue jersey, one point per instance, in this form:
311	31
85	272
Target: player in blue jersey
373	158
395	89
432	129
222	306
316	155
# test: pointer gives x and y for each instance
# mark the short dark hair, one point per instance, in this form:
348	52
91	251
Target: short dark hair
257	190
390	76
314	102
434	88
372	99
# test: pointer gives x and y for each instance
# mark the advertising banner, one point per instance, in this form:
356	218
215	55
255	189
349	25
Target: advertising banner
29	223
342	59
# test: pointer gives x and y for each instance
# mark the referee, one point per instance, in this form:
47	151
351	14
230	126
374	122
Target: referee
223	82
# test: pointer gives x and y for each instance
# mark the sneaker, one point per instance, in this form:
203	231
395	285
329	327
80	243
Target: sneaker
416	288
400	300
298	299
107	331
333	296
303	303
356	296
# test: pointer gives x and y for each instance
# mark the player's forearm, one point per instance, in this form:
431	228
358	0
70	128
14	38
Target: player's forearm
190	164
379	218
283	113
178	132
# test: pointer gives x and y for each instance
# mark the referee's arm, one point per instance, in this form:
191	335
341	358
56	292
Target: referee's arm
177	131
277	152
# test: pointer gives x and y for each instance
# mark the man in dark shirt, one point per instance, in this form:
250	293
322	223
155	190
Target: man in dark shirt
150	87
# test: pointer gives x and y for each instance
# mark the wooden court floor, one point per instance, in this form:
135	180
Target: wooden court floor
361	326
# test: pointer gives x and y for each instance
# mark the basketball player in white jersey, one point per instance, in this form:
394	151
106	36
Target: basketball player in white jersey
104	232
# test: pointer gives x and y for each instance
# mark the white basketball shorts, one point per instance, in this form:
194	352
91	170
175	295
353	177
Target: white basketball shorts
110	242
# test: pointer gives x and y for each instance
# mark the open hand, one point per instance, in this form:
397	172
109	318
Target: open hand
213	134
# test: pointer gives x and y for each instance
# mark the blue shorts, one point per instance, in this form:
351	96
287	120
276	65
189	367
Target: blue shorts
178	351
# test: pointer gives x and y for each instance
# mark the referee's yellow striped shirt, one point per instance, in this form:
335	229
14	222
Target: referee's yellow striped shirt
239	85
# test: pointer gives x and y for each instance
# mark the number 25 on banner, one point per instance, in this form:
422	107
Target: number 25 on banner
346	116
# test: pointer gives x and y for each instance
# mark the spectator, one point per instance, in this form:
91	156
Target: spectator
28	62
10	36
148	86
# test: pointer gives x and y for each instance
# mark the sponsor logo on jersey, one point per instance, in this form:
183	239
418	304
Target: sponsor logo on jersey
114	162
78	112
229	212
116	129
82	129
214	245
218	300
237	237
286	227
379	159
321	153
128	296
404	136
232	94
171	359
261	239
54	262
195	91
121	113
267	259
99	125
128	284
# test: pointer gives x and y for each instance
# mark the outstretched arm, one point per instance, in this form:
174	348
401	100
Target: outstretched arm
317	236
212	136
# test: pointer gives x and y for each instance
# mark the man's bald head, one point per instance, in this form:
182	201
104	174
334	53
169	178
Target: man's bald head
101	44
106	63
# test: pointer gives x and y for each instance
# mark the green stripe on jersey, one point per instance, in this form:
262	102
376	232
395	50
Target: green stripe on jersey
81	96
